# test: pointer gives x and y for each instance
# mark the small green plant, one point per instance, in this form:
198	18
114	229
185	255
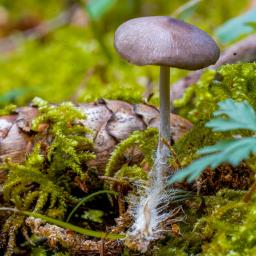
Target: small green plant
234	81
230	116
43	182
146	142
8	109
40	183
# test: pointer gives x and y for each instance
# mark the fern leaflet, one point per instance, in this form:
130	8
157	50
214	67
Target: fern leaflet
230	116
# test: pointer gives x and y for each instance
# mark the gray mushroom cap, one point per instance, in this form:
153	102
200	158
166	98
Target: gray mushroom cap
164	41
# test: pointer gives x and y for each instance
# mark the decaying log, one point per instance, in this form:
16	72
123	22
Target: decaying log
111	121
242	51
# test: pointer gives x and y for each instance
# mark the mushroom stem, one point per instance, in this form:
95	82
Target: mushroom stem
149	213
164	130
164	88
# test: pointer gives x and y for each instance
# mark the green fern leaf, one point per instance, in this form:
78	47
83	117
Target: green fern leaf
240	115
231	115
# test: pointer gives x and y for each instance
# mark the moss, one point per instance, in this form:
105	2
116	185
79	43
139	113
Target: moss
195	96
41	251
225	225
42	183
205	221
81	74
144	143
9	109
199	136
233	226
9	234
236	81
69	147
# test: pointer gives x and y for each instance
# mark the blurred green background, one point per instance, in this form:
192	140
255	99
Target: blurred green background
63	49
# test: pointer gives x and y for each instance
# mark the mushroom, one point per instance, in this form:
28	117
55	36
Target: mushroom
165	42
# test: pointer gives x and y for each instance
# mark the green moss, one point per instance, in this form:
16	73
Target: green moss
42	182
82	73
227	227
69	147
34	8
145	142
9	233
221	213
9	109
236	81
233	227
199	136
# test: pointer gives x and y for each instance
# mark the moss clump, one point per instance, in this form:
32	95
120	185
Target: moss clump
7	110
43	182
210	226
9	233
236	81
143	144
69	147
198	137
233	227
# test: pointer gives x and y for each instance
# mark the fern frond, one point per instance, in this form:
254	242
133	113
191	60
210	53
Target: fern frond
239	115
231	116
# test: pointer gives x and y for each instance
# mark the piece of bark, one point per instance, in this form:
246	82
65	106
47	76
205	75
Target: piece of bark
110	120
242	51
